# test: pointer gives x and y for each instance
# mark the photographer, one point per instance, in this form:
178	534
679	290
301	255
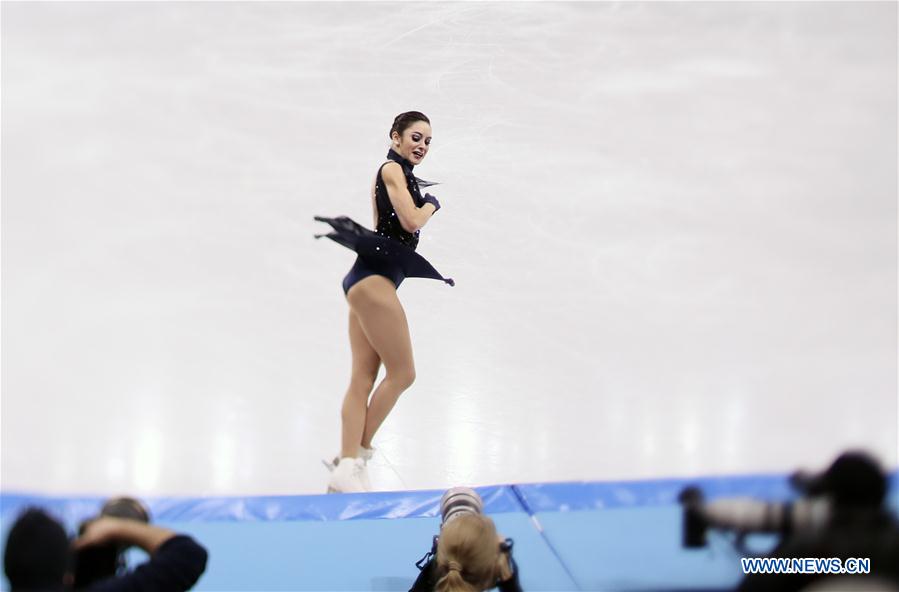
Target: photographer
859	526
39	555
468	555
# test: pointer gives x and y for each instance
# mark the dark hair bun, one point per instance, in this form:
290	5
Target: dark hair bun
404	120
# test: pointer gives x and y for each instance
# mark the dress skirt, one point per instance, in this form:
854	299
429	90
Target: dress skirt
378	255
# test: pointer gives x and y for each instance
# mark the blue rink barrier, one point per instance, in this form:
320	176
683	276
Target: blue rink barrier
615	536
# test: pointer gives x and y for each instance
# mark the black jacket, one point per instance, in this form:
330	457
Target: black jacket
175	566
870	535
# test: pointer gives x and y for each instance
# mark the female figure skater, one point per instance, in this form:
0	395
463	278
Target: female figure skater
379	333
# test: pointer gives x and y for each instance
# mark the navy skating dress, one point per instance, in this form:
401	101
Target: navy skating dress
389	250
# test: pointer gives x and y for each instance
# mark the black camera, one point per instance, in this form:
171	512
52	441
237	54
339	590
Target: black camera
745	515
854	481
98	562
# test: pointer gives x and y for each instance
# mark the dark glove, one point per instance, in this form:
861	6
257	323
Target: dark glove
428	198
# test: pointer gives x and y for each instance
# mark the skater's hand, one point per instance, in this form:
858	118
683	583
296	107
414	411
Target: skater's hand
428	198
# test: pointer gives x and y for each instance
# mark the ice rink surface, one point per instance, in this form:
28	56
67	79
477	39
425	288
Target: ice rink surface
673	228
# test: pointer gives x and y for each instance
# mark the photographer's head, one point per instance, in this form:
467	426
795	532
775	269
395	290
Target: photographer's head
37	553
40	556
468	554
854	480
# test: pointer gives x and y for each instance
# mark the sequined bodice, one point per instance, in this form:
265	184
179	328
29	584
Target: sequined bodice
388	222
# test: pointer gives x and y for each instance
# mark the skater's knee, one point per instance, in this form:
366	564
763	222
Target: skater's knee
363	381
403	377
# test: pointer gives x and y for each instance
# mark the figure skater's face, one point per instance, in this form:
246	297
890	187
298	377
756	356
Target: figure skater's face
413	145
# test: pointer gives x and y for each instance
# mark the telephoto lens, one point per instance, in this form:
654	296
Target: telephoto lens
458	501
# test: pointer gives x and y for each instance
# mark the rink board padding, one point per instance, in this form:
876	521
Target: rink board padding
635	549
627	535
615	536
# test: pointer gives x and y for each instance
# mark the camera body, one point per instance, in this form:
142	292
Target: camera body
746	515
854	482
98	562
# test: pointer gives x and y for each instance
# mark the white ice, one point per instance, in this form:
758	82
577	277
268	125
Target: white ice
672	226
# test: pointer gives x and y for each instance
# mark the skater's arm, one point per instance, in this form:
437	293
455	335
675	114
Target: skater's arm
411	218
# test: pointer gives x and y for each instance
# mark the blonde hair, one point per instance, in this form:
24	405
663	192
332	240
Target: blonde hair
468	554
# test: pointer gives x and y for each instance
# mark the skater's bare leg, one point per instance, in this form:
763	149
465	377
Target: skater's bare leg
384	324
355	403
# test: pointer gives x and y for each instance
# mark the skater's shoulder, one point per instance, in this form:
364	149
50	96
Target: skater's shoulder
392	167
393	173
